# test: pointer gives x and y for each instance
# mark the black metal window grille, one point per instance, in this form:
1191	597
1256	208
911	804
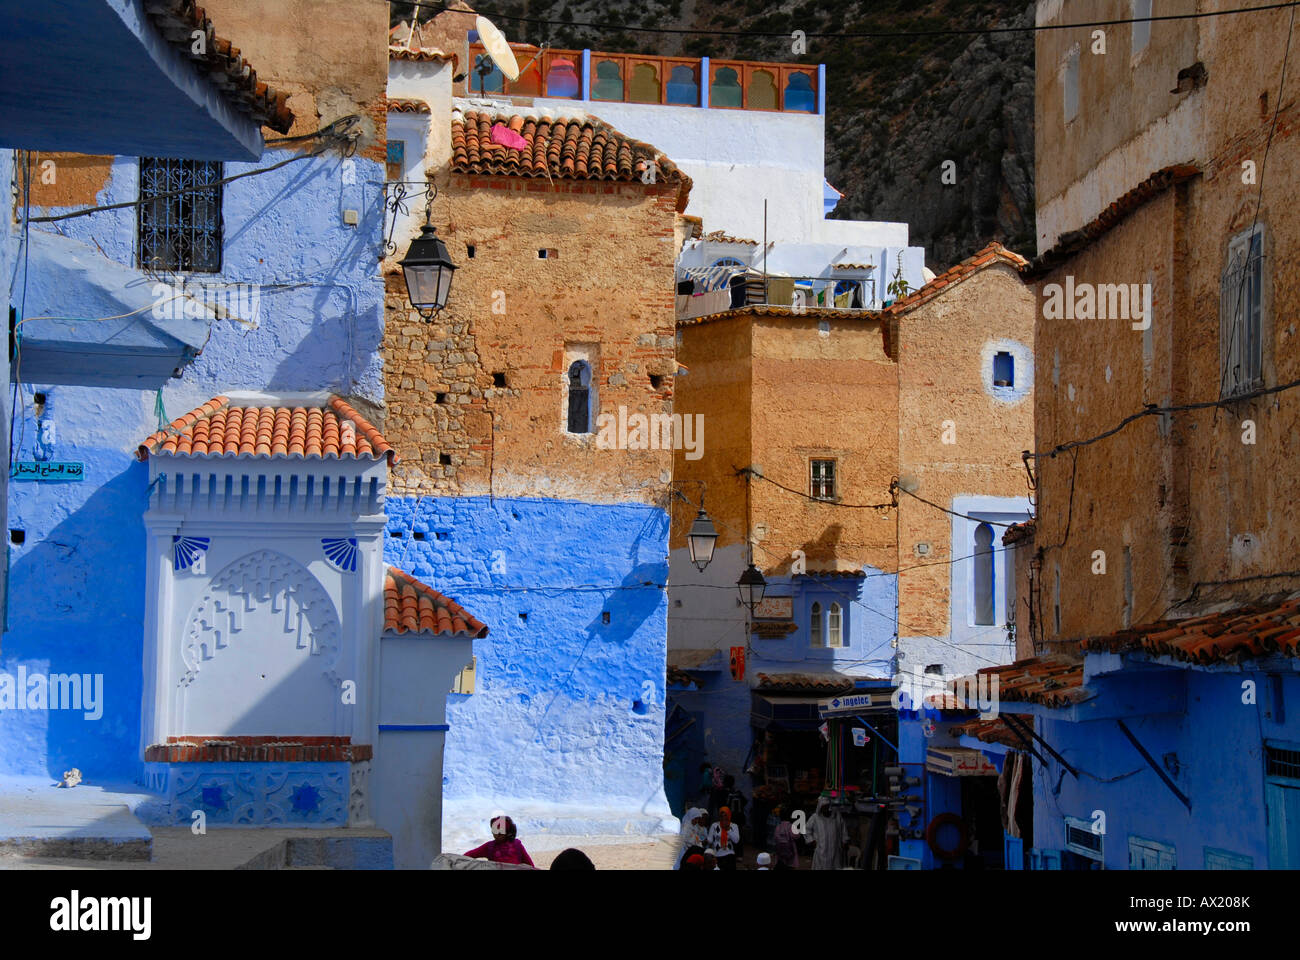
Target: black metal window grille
1282	763
823	479
579	397
179	226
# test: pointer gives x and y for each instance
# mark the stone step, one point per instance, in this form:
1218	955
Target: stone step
38	819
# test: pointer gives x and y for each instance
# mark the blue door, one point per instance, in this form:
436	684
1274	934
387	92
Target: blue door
1283	804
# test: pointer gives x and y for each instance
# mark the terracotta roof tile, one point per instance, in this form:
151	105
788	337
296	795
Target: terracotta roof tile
989	731
406	105
576	149
992	253
1068	244
220	62
216	429
414	607
721	236
1054	681
812	683
1019	531
1258	630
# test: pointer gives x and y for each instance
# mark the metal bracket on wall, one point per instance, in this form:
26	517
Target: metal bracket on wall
395	202
1154	766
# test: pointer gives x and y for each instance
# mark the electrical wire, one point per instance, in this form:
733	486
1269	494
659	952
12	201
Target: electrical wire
1259	199
339	133
1151	410
750	472
846	596
851	35
964	516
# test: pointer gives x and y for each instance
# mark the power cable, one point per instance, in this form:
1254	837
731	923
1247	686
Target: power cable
338	132
1259	199
850	35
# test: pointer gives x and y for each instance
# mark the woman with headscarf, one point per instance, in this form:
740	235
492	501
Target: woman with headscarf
828	835
787	853
503	847
723	837
695	834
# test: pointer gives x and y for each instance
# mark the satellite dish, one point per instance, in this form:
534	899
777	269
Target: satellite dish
494	42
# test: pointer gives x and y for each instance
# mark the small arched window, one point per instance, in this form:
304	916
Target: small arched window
834	626
580	397
984	574
815	626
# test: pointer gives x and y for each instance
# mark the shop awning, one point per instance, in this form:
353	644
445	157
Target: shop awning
784	713
705	659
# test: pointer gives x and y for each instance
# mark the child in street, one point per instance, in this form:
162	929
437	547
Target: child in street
503	847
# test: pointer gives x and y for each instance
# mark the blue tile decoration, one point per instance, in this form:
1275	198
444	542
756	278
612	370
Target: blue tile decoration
342	552
250	794
185	550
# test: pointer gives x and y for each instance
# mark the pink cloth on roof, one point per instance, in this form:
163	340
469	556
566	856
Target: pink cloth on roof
507	138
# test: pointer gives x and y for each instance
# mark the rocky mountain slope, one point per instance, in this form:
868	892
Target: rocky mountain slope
897	108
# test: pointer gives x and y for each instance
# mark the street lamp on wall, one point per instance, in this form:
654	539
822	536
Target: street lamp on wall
427	266
752	587
428	269
701	540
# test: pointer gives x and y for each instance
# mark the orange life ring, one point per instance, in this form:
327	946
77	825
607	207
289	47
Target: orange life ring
932	834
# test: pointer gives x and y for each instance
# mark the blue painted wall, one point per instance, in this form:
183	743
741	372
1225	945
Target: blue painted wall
567	708
1218	743
77	584
722	706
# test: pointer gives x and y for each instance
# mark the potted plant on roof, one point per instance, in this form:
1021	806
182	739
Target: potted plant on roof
897	288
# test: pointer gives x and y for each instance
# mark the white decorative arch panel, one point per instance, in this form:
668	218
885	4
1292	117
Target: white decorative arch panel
260	652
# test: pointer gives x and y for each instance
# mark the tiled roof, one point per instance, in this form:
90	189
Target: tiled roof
840	574
429	54
406	105
414	607
720	236
816	683
1053	681
993	253
578	149
218	429
220	62
1018	531
1068	244
777	310
989	731
1244	633
243	749
401	47
853	266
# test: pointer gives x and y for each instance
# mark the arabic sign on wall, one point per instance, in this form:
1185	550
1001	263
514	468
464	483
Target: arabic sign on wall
47	470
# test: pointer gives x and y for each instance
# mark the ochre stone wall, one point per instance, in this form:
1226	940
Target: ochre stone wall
818	394
942	377
1192	503
331	56
717	385
606	286
776	392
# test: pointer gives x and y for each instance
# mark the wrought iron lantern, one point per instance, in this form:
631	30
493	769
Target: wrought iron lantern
701	540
